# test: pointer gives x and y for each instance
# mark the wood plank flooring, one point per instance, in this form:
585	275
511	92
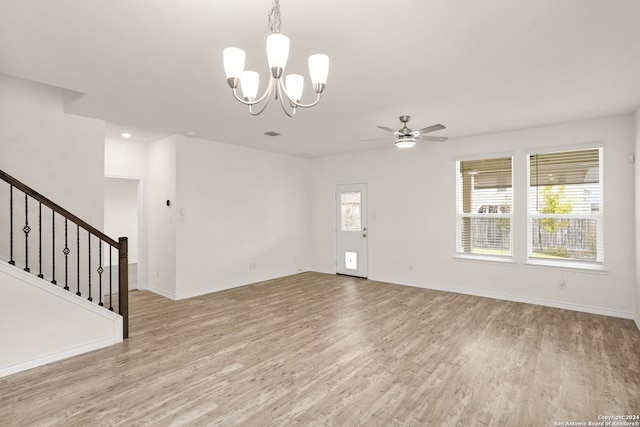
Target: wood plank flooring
325	350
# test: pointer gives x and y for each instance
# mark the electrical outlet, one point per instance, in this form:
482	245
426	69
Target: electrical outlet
252	266
562	284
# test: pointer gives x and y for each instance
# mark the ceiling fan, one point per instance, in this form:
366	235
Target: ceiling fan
405	137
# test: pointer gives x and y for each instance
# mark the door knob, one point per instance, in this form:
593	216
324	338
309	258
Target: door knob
364	235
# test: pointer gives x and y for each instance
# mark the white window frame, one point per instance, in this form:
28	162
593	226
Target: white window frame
597	265
460	214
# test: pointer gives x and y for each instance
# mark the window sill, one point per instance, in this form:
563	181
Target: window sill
568	265
485	258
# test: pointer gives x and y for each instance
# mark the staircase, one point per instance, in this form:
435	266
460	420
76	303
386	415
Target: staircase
60	252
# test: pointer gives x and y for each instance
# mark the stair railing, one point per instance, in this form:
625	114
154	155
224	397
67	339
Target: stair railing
25	203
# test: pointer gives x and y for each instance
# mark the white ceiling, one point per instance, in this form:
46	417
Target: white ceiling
154	67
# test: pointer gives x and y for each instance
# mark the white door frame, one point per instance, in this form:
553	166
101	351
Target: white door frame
142	285
365	221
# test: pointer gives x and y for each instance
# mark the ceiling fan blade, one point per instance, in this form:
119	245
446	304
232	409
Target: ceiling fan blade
432	138
395	132
428	129
377	139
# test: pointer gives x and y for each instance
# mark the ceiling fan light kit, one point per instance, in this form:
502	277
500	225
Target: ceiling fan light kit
277	55
405	142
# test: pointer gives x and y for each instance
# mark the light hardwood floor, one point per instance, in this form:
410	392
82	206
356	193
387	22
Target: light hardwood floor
324	350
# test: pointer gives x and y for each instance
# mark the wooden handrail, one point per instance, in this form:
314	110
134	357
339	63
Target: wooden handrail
57	208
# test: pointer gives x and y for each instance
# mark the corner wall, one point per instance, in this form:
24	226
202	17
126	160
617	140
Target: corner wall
412	218
160	219
637	218
59	155
241	216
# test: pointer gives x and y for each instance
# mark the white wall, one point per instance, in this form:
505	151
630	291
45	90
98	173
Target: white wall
57	154
46	329
125	159
412	217
230	207
237	206
60	156
637	212
159	219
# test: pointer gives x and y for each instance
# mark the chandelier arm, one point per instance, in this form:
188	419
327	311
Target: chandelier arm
308	105
283	89
279	90
266	94
265	104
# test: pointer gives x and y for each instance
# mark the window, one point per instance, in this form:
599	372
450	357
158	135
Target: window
565	207
350	217
484	199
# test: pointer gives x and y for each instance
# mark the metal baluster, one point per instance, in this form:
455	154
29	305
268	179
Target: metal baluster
11	261
89	245
100	270
40	241
78	258
66	252
26	229
110	275
53	247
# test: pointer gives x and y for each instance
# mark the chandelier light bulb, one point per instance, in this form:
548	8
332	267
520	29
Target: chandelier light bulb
294	84
319	70
233	59
249	84
277	51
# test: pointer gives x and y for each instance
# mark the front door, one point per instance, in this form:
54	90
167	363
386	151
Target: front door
351	229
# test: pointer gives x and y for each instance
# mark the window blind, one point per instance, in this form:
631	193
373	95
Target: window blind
484	207
565	206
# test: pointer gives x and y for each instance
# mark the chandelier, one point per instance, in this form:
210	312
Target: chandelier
277	55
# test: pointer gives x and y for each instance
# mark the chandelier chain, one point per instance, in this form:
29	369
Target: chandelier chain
274	17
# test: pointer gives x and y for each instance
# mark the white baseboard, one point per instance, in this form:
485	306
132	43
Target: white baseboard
161	292
10	370
637	320
515	298
209	290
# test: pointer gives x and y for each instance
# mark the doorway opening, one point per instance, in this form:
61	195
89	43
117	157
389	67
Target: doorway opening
123	200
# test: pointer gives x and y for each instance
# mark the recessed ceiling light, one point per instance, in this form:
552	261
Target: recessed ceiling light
272	133
125	135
